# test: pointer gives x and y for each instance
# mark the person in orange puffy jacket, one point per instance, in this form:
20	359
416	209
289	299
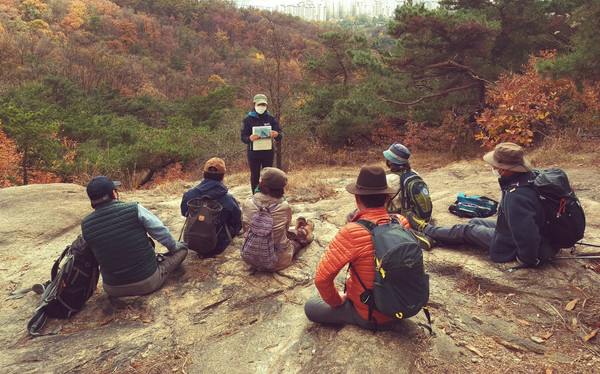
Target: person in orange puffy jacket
353	244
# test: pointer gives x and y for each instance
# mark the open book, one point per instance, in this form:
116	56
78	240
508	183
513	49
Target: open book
264	143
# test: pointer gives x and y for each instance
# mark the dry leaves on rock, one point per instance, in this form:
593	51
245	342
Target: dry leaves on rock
591	335
474	350
571	304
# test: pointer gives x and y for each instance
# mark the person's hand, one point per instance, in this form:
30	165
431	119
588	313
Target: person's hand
179	246
274	134
343	296
253	137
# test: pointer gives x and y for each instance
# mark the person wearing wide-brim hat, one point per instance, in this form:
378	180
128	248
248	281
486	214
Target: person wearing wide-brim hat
259	156
516	235
353	244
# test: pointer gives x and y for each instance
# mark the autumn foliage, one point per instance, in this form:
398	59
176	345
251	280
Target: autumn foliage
9	161
523	107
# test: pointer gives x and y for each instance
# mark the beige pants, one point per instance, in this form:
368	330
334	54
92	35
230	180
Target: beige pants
166	264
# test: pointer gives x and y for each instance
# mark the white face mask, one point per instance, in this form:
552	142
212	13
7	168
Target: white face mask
260	109
496	173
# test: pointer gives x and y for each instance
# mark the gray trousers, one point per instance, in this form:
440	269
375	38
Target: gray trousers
477	232
319	311
166	264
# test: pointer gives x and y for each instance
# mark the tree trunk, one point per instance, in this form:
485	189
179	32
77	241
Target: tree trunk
24	166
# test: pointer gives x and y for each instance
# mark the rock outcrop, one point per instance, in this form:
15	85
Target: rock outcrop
221	316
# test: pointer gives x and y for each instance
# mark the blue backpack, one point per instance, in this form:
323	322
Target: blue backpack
473	206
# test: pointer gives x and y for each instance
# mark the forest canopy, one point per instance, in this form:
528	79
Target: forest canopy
134	89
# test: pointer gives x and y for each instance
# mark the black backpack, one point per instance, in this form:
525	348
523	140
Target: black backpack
565	219
401	286
73	280
202	224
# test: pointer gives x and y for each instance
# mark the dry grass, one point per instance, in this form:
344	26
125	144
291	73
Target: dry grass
567	151
308	171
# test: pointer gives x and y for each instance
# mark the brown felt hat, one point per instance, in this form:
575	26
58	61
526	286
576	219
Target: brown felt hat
273	178
371	181
508	156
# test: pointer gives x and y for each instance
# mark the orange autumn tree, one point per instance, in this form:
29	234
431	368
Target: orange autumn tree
522	105
9	161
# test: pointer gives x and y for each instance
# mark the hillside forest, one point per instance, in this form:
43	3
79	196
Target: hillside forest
144	90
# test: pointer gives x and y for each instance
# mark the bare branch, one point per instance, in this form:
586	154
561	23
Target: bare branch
437	94
454	64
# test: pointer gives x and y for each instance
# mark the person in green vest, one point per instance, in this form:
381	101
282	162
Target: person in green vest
118	233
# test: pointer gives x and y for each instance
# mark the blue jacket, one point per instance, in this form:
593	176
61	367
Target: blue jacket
255	119
520	221
230	215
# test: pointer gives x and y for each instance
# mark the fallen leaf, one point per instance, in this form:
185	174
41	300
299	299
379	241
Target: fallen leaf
547	336
523	322
574	323
590	335
537	339
571	304
474	350
549	371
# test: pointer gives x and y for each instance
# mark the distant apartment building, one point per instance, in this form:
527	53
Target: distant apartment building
325	10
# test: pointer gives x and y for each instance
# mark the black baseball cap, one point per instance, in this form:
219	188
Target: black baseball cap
100	187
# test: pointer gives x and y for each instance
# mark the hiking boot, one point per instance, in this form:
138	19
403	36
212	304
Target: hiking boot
425	241
300	222
415	223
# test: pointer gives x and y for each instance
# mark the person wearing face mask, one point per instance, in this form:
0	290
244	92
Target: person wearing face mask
259	159
517	232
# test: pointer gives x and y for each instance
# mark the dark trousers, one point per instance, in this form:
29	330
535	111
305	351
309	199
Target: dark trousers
477	232
258	161
319	311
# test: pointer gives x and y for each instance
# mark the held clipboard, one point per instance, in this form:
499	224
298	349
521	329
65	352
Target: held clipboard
264	143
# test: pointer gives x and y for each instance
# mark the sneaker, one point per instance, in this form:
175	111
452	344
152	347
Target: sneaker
425	241
414	222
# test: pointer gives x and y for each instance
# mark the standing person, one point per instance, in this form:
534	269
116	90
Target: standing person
517	232
118	233
411	192
212	186
288	241
258	159
353	245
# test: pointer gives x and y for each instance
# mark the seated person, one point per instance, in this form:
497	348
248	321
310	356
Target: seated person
212	186
518	232
353	245
289	242
118	233
415	200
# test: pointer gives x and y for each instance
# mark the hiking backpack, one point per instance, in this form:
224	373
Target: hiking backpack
259	249
401	286
70	286
202	225
415	195
473	206
565	219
